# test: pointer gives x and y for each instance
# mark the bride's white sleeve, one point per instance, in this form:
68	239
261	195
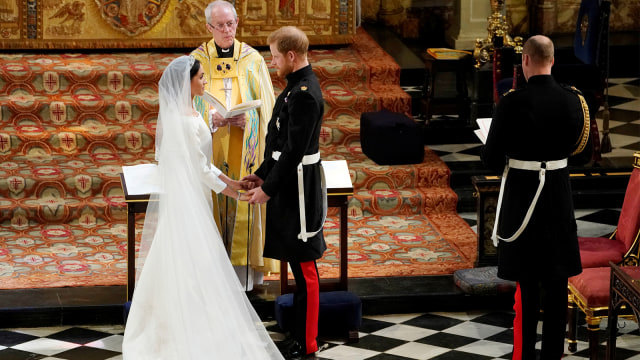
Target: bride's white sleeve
209	175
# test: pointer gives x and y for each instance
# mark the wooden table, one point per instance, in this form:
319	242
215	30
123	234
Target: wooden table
624	290
339	188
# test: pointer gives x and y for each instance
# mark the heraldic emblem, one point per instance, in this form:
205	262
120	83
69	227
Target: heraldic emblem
132	17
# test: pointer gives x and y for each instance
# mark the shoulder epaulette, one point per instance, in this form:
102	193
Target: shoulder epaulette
586	124
571	88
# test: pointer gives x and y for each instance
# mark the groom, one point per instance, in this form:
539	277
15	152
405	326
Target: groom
291	175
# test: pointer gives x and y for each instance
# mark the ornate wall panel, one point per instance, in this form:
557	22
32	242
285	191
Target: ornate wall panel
109	24
559	16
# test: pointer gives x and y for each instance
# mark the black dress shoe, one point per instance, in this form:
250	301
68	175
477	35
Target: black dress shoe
295	351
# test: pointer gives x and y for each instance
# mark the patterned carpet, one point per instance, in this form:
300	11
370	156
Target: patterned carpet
68	122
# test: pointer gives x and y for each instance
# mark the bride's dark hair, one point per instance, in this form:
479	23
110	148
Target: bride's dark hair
194	68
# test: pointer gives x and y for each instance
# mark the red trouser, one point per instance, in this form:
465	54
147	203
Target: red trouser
525	323
306	302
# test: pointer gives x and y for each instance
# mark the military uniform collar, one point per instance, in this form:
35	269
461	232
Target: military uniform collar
540	79
299	74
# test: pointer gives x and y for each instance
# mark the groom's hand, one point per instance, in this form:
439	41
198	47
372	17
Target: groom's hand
251	181
257	196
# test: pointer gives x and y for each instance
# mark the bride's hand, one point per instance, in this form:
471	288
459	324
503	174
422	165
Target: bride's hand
244	197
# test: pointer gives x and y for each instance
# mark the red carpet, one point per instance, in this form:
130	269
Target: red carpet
68	122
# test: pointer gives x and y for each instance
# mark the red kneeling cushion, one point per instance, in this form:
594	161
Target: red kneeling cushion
593	284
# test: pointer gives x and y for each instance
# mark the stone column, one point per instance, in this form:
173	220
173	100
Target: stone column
546	16
469	23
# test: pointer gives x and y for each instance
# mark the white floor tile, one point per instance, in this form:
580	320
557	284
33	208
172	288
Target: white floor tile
347	353
474	330
625	90
488	348
631	105
45	346
420	351
113	343
41	332
404	332
591	229
394	318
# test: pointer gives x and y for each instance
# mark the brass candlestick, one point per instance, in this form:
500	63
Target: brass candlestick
497	27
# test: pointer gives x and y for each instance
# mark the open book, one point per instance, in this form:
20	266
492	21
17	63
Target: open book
234	110
484	124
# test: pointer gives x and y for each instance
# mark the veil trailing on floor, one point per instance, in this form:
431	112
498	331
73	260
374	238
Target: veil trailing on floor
188	302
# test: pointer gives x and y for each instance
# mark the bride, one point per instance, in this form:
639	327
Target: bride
188	302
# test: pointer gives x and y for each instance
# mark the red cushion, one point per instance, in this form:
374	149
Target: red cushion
593	284
629	221
598	251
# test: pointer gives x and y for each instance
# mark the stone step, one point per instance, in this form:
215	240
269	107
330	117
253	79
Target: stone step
404	202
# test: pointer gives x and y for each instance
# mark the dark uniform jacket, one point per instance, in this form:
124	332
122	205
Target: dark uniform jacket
543	121
294	130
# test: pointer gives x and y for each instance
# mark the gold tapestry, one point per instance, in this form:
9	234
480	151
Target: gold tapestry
111	24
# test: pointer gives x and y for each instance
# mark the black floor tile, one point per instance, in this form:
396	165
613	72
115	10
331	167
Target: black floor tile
371	326
377	343
503	337
78	335
627	129
457	355
10	338
387	357
605	216
620	115
502	319
447	340
617	100
87	353
13	354
433	322
634	146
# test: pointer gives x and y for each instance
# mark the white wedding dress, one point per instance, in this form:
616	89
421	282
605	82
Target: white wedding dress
188	302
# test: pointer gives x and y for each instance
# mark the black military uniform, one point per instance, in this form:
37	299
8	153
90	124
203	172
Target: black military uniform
293	136
542	122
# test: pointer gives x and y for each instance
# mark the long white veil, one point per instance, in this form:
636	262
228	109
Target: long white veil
188	302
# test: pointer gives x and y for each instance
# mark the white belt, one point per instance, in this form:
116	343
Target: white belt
308	160
541	167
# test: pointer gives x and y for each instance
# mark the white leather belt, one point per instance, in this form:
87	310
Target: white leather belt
308	160
541	167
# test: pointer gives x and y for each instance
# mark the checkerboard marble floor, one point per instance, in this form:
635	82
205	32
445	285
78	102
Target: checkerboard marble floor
461	335
435	335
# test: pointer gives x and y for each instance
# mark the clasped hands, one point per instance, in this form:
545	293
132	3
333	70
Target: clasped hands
219	121
253	190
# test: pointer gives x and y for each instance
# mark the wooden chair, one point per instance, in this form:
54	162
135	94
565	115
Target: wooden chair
622	247
589	291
